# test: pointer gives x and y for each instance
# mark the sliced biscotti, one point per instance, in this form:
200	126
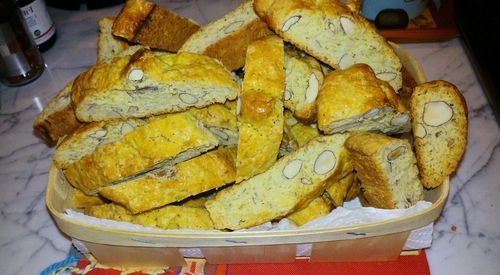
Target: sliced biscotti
148	24
315	209
167	217
387	170
172	184
355	100
87	138
288	185
337	192
220	120
146	83
439	115
57	118
81	200
110	46
303	78
228	37
260	121
163	141
329	31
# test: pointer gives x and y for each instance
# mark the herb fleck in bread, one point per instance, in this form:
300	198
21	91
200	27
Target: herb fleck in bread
148	24
172	184
260	121
292	182
228	37
162	141
329	31
355	100
439	115
57	118
146	84
386	168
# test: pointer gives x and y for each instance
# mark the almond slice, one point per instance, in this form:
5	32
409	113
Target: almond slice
290	22
135	75
292	168
437	113
419	130
188	98
347	25
325	162
312	89
345	61
386	76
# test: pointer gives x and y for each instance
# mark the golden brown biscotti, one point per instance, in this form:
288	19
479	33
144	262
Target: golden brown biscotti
228	37
162	141
110	46
303	78
220	120
260	121
315	209
173	184
57	118
439	113
81	200
355	100
167	217
331	32
148	24
299	132
146	84
87	138
337	192
292	182
387	170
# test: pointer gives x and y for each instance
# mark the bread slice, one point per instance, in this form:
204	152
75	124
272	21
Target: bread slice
162	141
387	170
315	209
331	32
110	46
260	121
57	118
148	24
167	217
228	37
167	185
292	182
220	120
355	100
303	79
146	84
439	114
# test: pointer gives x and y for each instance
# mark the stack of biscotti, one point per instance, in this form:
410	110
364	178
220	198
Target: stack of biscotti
278	109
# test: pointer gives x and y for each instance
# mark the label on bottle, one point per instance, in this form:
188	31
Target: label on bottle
12	59
38	20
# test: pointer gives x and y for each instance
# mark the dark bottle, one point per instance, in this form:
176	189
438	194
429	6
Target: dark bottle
20	59
39	22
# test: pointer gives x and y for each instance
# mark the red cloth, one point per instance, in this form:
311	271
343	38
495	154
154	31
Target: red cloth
408	265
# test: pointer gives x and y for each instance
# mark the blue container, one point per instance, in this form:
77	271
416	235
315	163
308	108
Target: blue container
371	8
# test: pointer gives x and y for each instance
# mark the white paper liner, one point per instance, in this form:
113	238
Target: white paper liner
351	214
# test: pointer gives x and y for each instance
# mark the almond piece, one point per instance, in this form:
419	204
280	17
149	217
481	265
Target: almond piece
135	75
126	128
287	95
386	76
219	133
345	61
437	113
292	168
312	89
290	22
419	131
400	119
188	98
325	162
371	113
347	25
395	153
232	27
306	181
99	133
238	105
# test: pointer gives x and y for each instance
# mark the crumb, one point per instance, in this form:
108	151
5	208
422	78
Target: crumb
453	228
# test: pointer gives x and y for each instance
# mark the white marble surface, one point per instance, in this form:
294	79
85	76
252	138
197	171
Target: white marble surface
30	241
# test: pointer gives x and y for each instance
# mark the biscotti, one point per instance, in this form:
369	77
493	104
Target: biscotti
260	121
439	115
292	182
387	170
57	118
110	46
146	84
81	200
315	209
173	184
303	78
167	217
220	120
337	192
329	31
148	24
228	37
355	100
162	141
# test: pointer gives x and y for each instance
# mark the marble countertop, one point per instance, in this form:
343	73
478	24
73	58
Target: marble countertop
466	237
